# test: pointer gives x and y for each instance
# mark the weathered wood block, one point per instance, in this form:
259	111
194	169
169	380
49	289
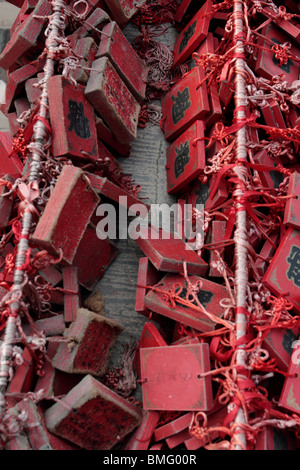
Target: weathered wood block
173	427
105	134
15	85
283	274
51	326
141	438
93	256
123	10
72	121
209	296
93	337
6	202
105	187
13	124
21	105
266	253
167	251
150	338
267	65
112	100
186	158
57	229
26	36
272	178
186	102
124	58
33	92
171	378
98	418
279	344
201	193
147	276
55	382
192	35
10	162
292	207
71	301
85	48
93	25
23	377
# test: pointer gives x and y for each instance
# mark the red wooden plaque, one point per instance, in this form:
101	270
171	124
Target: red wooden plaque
150	337
94	337
26	36
270	179
72	121
279	345
93	257
141	438
283	274
173	427
92	416
186	158
266	253
147	276
199	193
24	375
289	27
167	251
54	382
292	207
290	393
105	134
85	48
66	215
92	24
182	9
171	378
10	161
186	102
267	65
209	297
105	187
112	100
193	34
124	58
15	84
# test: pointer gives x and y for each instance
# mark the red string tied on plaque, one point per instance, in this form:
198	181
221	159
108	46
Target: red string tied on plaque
282	52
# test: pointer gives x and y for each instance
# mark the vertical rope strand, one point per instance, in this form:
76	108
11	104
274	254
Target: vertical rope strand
36	148
241	236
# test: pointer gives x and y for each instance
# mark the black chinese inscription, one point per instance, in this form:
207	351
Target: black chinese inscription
182	102
294	262
202	194
78	121
285	67
187	36
288	339
182	158
204	296
276	177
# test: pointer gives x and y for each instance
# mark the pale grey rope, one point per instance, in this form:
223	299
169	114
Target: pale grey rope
240	236
53	34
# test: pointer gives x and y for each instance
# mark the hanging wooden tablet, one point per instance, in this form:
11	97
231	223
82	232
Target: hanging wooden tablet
171	378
